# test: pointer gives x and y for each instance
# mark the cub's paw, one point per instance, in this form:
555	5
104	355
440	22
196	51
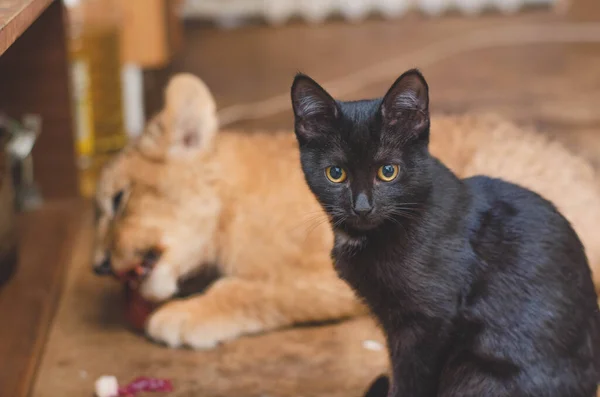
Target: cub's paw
185	323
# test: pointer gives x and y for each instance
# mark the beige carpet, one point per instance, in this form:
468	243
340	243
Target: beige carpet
89	339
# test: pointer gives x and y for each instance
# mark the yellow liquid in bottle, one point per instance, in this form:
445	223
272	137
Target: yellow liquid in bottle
101	48
98	105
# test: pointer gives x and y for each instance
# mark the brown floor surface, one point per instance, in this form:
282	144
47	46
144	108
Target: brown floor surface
553	86
90	338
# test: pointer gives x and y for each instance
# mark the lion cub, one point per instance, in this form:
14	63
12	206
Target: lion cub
238	200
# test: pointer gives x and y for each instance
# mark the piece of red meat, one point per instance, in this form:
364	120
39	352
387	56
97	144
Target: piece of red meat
138	309
145	384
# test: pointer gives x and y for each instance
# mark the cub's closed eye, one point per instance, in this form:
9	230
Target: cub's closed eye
97	212
388	172
335	174
116	200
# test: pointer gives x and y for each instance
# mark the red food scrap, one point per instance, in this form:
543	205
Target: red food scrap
145	384
137	308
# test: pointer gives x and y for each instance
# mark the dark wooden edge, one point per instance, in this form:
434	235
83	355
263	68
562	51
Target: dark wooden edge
24	14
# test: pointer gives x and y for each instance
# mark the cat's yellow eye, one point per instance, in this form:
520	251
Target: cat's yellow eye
335	174
387	173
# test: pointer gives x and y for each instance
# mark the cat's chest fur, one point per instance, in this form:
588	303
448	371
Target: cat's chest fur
433	269
403	277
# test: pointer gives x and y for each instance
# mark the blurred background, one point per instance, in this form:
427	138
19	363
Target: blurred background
78	79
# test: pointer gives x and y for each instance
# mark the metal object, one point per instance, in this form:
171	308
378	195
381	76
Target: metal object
8	235
21	139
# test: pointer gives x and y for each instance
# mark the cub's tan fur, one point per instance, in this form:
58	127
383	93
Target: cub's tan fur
239	200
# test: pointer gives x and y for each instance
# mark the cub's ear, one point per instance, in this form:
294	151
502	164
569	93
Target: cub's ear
189	117
314	109
405	107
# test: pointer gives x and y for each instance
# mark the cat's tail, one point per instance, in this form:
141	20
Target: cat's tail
379	388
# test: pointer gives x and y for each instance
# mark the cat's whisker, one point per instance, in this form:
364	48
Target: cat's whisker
318	219
313	217
407	209
309	223
395	221
315	226
319	212
339	222
414	209
404	214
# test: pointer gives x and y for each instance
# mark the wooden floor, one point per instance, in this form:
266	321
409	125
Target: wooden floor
480	64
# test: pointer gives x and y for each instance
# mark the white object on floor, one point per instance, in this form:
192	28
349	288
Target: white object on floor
107	386
372	345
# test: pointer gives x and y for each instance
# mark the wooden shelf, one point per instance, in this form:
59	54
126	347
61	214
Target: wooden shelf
16	16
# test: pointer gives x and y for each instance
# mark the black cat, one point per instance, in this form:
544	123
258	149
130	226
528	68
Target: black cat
481	286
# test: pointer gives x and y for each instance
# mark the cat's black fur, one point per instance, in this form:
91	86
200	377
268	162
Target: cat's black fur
481	286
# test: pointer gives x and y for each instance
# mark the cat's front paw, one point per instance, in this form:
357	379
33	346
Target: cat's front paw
185	323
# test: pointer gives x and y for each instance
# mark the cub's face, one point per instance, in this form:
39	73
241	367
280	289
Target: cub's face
143	227
132	221
111	197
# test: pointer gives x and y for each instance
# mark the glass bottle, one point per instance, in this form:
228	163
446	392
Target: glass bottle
95	59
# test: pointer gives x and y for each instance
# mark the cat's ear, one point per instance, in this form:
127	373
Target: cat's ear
314	108
189	117
406	104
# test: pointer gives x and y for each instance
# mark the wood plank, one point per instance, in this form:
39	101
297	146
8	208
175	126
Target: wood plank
34	79
28	301
15	18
